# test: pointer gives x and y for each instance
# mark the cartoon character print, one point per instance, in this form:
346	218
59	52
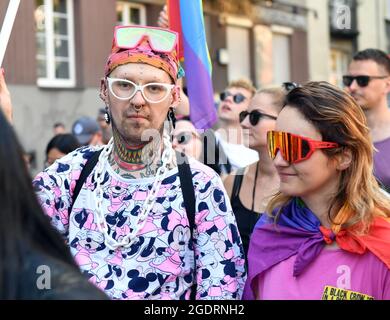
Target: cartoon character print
74	176
86	243
88	184
84	219
105	278
170	260
111	275
217	197
214	287
141	282
159	264
117	195
152	227
55	184
111	272
161	209
62	206
172	285
50	190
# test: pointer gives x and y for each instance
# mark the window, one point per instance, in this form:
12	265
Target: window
388	9
388	26
239	55
338	66
207	27
388	35
55	43
281	56
129	13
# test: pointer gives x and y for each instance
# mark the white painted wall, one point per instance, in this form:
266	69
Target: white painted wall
318	40
35	112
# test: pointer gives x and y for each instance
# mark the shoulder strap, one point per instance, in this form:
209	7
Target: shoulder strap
239	176
187	188
85	172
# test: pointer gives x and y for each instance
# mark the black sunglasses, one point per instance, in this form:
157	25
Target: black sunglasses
184	137
254	116
362	81
237	98
288	86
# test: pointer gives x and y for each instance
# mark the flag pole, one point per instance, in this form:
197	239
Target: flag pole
7	27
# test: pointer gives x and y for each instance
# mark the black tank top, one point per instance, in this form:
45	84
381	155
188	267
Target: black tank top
246	219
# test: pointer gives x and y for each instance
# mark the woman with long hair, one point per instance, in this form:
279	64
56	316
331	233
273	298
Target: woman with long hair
251	188
34	261
326	234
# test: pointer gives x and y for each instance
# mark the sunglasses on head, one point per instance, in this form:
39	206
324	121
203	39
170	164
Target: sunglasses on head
237	98
160	40
254	116
362	81
288	86
293	148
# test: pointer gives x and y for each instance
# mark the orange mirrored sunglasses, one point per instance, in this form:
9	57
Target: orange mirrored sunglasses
294	148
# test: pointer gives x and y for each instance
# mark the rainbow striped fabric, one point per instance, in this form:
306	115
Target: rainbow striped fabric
186	17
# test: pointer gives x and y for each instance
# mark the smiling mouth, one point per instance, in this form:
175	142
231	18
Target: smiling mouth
287	174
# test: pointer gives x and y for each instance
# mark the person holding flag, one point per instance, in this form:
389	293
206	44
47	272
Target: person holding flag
186	18
6	29
5	98
223	151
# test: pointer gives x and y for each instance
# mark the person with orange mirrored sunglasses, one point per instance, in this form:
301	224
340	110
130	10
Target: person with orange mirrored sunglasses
326	234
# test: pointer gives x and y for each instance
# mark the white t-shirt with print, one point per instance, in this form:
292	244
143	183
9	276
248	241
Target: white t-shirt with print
159	265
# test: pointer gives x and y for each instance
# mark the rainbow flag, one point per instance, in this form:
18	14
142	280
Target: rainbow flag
186	17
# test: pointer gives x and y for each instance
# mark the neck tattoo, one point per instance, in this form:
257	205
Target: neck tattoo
127	157
134	161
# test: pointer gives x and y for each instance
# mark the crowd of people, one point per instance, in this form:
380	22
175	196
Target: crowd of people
285	199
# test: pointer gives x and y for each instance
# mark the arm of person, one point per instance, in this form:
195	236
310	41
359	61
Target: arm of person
54	187
220	257
228	182
5	98
50	190
163	20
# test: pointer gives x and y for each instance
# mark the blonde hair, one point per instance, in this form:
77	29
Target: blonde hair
244	84
278	94
339	119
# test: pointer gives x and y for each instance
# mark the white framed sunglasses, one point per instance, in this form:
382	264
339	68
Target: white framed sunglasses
153	92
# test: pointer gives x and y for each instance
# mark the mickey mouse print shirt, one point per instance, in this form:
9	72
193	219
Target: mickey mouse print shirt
159	265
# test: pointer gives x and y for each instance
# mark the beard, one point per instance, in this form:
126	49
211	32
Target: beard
361	101
136	134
